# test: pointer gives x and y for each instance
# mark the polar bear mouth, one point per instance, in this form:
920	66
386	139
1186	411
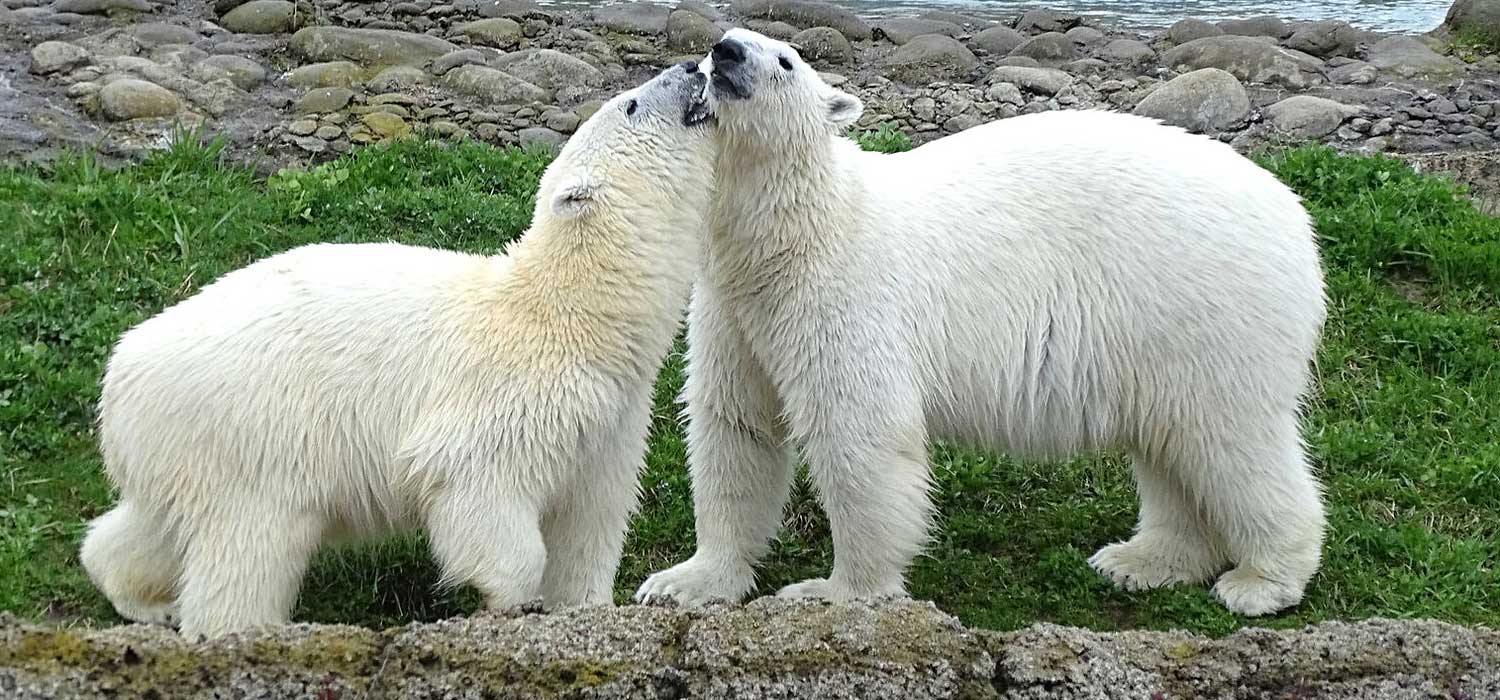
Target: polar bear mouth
698	111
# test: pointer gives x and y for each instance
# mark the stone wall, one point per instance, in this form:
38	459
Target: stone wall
769	649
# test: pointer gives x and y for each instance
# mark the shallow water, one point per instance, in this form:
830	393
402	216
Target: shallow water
1380	15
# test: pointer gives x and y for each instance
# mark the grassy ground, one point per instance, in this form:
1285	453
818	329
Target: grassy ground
1403	427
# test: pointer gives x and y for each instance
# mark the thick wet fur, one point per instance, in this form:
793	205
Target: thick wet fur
501	404
1044	285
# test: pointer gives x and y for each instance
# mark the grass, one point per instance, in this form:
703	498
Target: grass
1403	426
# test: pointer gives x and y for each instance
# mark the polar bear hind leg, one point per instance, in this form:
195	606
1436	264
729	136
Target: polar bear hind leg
1172	543
243	568
133	557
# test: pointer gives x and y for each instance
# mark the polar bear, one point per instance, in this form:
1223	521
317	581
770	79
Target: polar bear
1045	285
501	404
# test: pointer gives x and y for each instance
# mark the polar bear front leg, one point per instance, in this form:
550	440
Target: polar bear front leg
490	536
738	457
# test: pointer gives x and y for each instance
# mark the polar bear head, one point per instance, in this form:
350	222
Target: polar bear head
645	154
761	92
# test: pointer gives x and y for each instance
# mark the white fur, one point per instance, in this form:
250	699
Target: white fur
501	404
1045	285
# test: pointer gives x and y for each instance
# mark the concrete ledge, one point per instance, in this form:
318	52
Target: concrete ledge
768	649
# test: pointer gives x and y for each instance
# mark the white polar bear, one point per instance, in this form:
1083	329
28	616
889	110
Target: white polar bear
1044	284
499	403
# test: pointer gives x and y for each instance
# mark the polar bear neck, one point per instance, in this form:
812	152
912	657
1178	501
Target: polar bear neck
781	202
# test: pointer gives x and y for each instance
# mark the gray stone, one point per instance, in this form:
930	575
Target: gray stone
129	98
541	137
1406	57
454	59
496	86
690	32
330	74
328	132
1046	81
902	30
1005	93
153	34
633	18
1475	17
499	32
101	7
958	18
1249	59
57	57
397	78
243	72
1353	73
1086	66
702	9
824	44
776	30
1305	116
302	127
1052	47
805	14
499	8
261	17
328	99
1324	39
1038	21
1207	100
998	41
1084	36
549	69
930	58
1024	61
369	47
562	122
386	125
1191	29
1264	25
1128	52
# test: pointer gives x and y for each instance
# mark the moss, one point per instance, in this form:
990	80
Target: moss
47	652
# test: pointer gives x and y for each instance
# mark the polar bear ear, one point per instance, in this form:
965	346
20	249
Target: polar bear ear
574	196
843	109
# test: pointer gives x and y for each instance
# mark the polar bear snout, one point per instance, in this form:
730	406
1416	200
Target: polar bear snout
730	75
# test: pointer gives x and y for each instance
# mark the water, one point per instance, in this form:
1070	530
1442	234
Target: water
1380	15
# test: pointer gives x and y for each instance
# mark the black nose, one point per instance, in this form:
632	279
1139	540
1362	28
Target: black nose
688	66
728	52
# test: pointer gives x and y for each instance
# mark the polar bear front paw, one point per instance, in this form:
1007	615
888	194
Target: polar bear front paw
1144	563
1249	592
163	614
812	588
698	581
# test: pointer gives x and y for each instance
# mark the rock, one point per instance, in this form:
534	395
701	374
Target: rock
153	34
1128	52
1086	66
496	86
1353	73
128	98
690	32
318	100
386	125
330	74
539	136
454	59
961	122
549	69
177	56
328	132
901	31
1046	81
261	17
369	47
398	78
1005	93
101	7
1309	117
805	14
1324	39
1406	57
57	57
824	44
1037	21
1084	36
243	72
1024	61
633	18
302	127
1249	59
1264	25
498	8
1050	47
929	58
998	41
1480	18
1205	101
702	9
1191	29
499	32
562	122
958	18
780	31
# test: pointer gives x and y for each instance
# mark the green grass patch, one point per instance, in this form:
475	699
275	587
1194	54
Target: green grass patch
1403	426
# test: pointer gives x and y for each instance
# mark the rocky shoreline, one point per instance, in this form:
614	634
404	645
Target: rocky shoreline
295	82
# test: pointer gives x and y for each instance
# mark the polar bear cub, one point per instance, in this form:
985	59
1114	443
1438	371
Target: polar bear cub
1044	284
501	404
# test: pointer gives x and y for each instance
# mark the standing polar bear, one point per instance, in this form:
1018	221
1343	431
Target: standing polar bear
499	403
1044	284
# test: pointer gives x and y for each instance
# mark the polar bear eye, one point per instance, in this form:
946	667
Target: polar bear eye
630	108
785	62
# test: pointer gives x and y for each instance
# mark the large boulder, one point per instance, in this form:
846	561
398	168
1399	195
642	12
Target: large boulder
57	57
1326	39
900	31
549	69
153	34
1128	52
261	17
633	18
805	14
1045	81
1305	116
930	58
493	85
1264	25
824	44
369	47
998	41
1250	59
1039	21
1051	47
1479	18
1406	57
1207	100
1190	29
498	32
691	32
329	74
129	98
243	72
